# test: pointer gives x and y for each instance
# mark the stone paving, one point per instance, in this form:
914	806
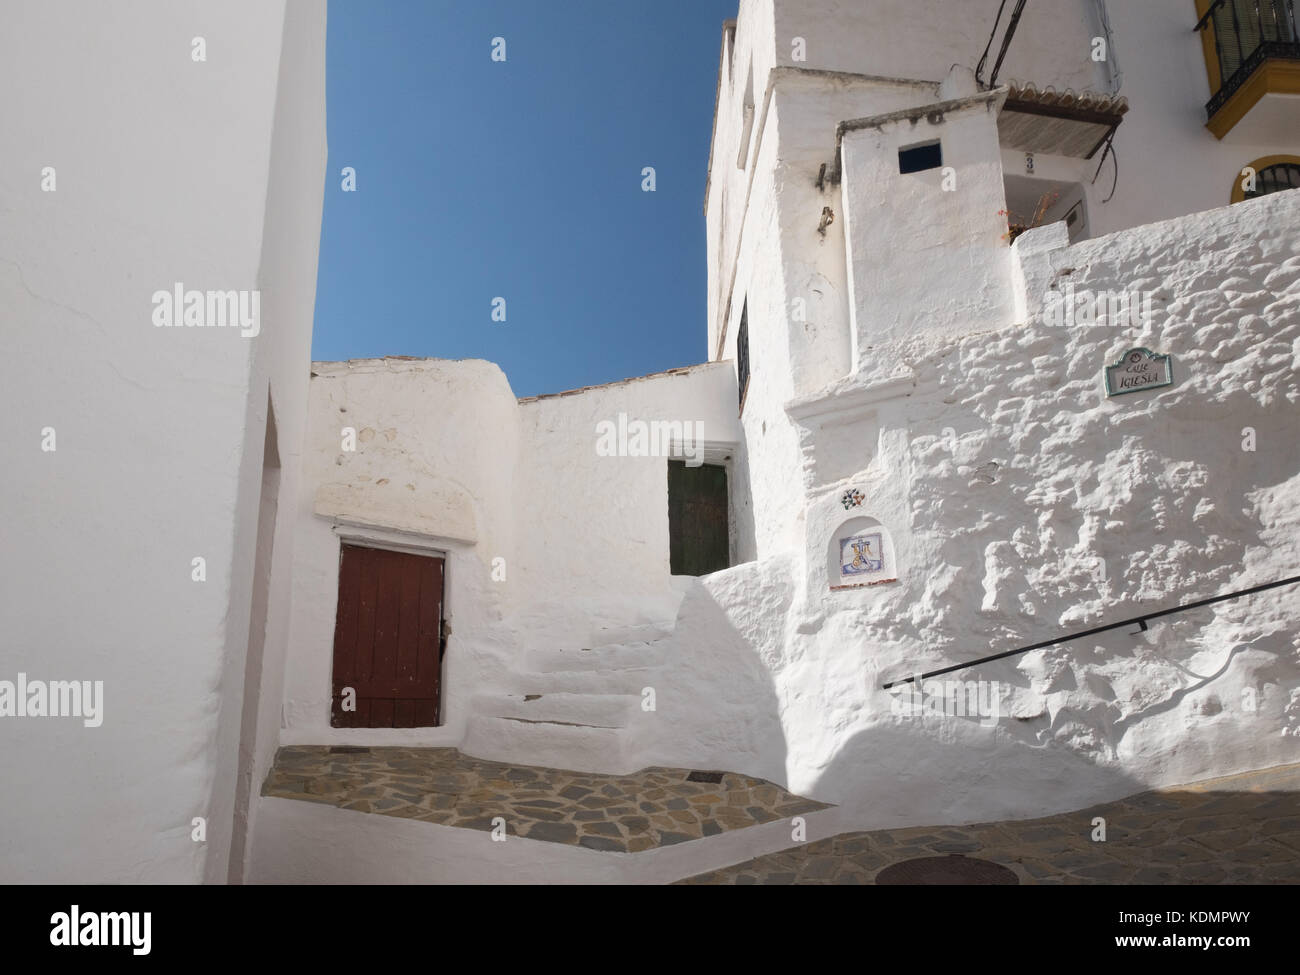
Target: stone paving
620	813
1243	829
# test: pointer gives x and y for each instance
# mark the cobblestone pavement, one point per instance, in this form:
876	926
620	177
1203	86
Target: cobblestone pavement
621	813
1244	829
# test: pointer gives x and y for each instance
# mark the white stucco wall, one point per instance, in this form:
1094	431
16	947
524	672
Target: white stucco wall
920	259
924	257
770	448
432	467
1165	163
1170	163
922	38
598	526
1003	473
280	367
449	461
159	430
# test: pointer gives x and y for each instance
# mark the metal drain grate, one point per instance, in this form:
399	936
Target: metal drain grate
698	776
952	869
348	750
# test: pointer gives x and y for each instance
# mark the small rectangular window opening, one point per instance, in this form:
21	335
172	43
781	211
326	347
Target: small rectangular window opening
742	353
915	159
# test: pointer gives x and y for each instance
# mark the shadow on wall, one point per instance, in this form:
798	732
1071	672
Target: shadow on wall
925	769
716	700
742	494
1072	725
1045	508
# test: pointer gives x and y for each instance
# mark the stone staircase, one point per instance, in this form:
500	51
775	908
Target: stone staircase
572	708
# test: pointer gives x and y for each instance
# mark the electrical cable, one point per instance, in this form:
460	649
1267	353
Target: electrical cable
979	68
1006	39
1109	151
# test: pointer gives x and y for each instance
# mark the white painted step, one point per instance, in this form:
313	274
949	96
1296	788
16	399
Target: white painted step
599	710
551	744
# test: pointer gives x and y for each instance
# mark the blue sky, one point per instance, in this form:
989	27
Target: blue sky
478	179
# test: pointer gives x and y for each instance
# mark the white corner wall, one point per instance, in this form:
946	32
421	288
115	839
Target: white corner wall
154	463
926	250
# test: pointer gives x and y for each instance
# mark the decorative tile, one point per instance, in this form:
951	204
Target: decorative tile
862	554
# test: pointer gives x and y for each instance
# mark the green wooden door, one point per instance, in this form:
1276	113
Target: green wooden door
697	519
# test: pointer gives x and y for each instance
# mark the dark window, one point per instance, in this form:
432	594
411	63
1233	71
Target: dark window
914	159
742	353
698	540
1275	179
1243	27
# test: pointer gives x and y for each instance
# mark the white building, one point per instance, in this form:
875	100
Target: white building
904	453
180	146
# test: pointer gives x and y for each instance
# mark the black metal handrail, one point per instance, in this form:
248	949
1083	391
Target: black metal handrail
1246	34
1140	620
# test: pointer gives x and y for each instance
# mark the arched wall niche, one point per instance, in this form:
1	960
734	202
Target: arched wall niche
860	553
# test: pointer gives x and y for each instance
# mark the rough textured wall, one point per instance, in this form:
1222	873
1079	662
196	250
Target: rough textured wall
1007	474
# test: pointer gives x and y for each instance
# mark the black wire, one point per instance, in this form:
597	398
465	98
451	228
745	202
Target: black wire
1006	39
1110	151
1114	158
979	68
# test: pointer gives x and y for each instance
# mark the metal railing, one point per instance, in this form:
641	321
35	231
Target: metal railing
1246	34
1141	621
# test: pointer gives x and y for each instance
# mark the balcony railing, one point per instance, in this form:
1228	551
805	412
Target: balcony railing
1246	34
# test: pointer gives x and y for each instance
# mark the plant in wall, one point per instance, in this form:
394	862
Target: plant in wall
1017	225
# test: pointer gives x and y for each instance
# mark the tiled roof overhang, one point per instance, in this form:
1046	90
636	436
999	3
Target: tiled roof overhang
1059	123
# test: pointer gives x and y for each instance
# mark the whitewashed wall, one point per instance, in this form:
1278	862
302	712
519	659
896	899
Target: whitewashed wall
1170	164
924	257
1004	474
280	375
448	460
763	217
159	430
594	525
433	466
921	39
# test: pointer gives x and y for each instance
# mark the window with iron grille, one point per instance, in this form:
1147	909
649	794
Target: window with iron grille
742	353
1246	34
1275	179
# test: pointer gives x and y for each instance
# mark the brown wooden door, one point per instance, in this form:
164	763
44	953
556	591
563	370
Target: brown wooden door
387	639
